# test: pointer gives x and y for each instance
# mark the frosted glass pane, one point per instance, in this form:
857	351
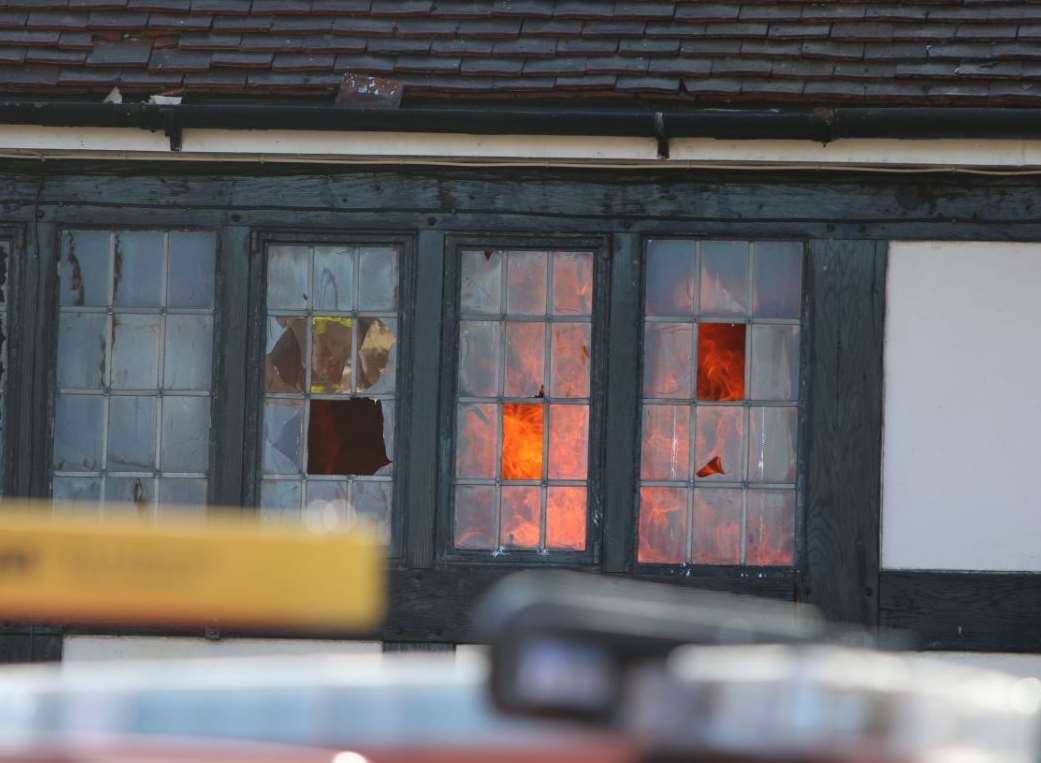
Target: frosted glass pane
188	355
572	283
777	288
137	493
131	433
670	278
525	359
717	526
521	517
283	436
566	518
378	278
86	489
280	499
186	434
771	444
667	359
79	426
476	441
724	278
770	528
81	350
569	360
663	525
191	269
775	362
479	358
475	517
334	278
138	269
287	277
568	441
372	502
182	491
135	351
719	441
85	269
481	281
526	283
666	443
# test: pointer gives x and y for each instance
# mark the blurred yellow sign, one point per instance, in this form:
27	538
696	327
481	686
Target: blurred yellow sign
231	574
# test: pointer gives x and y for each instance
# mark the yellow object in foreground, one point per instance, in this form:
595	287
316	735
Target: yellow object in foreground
231	574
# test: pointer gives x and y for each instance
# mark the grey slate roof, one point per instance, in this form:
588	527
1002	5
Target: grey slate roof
923	52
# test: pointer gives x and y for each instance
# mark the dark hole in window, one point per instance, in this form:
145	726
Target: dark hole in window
346	437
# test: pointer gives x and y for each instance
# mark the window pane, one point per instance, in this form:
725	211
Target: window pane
526	283
475	517
287	277
663	525
86	489
522	441
186	434
138	272
670	278
284	359
666	442
775	362
378	278
81	350
777	289
191	270
331	343
572	283
334	278
132	433
85	270
525	359
188	355
724	278
283	436
280	499
566	518
521	517
721	361
138	493
482	281
377	354
79	425
568	441
477	438
326	505
771	444
346	437
770	536
570	360
666	360
182	491
717	526
388	436
719	442
135	351
372	501
479	359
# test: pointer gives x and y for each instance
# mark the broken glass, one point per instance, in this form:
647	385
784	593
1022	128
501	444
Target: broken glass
522	427
721	361
719	435
331	345
377	354
284	359
283	436
346	437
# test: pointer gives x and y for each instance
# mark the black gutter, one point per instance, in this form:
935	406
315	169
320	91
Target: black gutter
820	125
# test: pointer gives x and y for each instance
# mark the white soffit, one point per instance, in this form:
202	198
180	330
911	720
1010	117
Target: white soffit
495	150
960	487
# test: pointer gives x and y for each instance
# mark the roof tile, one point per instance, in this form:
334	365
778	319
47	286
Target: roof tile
525	47
587	82
129	53
207	41
684	66
426	64
166	21
644	10
461	46
54	56
239	60
707	11
122	21
12	56
221	7
494	28
613	28
653	47
492	66
558	66
303	62
172	60
364	64
358	25
75	41
56	20
649	84
617	65
281	24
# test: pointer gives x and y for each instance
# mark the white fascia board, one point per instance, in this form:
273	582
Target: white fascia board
543	150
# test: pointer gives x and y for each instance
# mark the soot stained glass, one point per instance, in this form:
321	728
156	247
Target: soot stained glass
720	402
522	420
330	382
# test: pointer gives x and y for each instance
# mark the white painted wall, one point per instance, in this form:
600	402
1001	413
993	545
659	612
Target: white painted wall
962	459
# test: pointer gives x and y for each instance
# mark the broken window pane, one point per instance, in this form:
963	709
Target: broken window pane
138	270
666	360
137	493
81	350
182	491
85	269
86	489
288	271
346	437
283	436
525	359
666	443
572	283
284	359
777	289
770	528
566	518
333	278
331	343
372	502
191	270
378	278
477	438
186	434
522	441
717	526
719	442
721	361
670	278
569	360
724	278
135	351
479	358
482	281
775	362
771	444
663	525
475	517
377	354
388	436
568	441
79	426
132	433
521	517
188	354
526	283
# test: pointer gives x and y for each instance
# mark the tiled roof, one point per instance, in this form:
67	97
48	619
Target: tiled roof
767	51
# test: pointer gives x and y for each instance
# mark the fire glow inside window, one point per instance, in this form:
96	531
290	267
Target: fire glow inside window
135	353
329	382
523	400
720	402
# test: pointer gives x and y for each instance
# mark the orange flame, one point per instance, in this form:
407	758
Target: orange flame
663	525
521	518
522	426
721	361
566	518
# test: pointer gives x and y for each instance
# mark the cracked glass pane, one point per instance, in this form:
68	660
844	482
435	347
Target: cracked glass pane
331	343
377	354
283	436
284	358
